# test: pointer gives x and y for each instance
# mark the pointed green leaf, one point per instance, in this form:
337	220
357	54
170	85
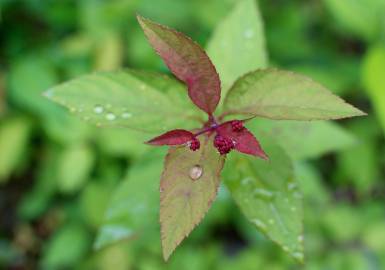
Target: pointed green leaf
374	80
189	184
238	44
143	101
278	94
269	197
134	206
304	139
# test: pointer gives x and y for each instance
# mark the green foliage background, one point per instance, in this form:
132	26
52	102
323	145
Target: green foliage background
61	179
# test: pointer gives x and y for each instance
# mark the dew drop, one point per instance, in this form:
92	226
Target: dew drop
263	194
300	238
98	109
110	116
72	109
291	186
297	195
126	115
196	172
285	248
246	181
260	224
298	255
249	33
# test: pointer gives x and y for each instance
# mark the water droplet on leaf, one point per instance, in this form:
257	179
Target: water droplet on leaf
300	238
110	116
126	115
298	255
196	172
263	194
98	109
249	33
291	186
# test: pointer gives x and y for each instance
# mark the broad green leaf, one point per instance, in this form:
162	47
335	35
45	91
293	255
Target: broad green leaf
187	61
14	138
269	197
360	17
67	247
303	139
38	75
37	200
134	207
74	167
188	186
143	101
238	43
360	165
374	80
283	95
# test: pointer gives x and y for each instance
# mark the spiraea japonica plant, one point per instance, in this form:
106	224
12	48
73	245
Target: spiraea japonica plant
203	116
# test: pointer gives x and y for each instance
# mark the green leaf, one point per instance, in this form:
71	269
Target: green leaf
189	184
238	43
284	95
143	101
360	17
134	206
302	139
67	247
14	138
374	80
269	197
74	167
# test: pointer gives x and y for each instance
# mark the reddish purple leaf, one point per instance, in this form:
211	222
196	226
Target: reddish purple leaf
188	61
244	140
173	137
188	186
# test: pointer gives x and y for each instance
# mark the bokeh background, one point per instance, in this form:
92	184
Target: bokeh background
58	175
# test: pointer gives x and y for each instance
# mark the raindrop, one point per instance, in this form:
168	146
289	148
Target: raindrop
285	248
291	186
196	172
300	238
72	109
297	195
110	116
126	115
249	33
260	224
263	194
48	93
98	109
298	255
247	181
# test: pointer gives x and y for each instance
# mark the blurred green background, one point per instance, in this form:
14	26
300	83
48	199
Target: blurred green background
59	177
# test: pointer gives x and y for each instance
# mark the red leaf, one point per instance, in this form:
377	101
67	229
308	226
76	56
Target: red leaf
244	140
173	137
188	61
